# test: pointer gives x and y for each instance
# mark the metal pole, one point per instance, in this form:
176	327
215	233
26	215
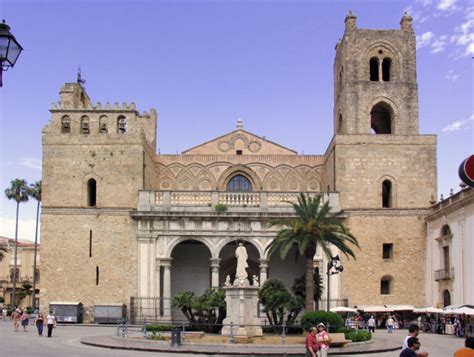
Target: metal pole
328	285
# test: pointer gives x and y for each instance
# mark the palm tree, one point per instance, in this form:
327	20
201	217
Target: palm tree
35	192
315	225
18	191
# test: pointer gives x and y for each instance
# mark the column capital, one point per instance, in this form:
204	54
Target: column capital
165	262
215	262
263	263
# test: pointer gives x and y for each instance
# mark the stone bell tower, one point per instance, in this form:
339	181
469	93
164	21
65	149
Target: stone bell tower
375	86
383	169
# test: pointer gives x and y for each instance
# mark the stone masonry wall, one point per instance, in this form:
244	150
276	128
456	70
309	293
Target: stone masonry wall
361	278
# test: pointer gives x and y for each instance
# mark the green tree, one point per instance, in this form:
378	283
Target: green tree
34	191
315	225
18	191
279	305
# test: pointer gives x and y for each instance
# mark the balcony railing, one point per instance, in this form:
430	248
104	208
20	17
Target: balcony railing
182	200
444	274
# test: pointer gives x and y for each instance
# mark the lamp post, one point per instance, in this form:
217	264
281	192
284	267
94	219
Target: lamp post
10	49
332	268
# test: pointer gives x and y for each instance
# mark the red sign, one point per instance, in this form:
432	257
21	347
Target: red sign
466	171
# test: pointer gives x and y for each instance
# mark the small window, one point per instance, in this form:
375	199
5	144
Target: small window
37	275
339	124
386	64
386	285
12	275
121	125
84	125
97	275
103	124
387	194
239	183
65	125
91	193
238	152
387	251
374	69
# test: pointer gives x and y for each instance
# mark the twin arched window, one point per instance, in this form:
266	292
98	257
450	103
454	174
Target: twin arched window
239	183
379	69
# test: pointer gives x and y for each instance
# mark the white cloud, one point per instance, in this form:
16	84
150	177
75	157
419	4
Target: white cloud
451	76
26	228
458	124
30	162
464	33
446	5
439	44
424	39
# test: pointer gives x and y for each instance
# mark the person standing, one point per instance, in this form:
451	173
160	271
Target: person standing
413	345
413	331
4	313
371	324
323	339
39	323
25	320
15	317
311	344
390	324
51	319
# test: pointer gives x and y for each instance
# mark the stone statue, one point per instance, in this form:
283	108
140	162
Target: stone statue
227	281
255	280
241	254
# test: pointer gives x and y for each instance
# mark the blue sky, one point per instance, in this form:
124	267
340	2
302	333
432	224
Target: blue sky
203	64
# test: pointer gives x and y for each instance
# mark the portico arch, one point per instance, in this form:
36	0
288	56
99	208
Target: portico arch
228	260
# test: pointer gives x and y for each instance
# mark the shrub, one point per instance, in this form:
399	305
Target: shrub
357	336
158	328
332	320
221	208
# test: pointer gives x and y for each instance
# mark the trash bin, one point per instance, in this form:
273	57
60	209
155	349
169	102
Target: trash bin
175	337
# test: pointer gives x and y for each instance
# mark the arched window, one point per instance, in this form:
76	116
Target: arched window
103	124
381	119
339	124
239	183
85	125
386	285
374	69
386	64
65	124
445	231
91	192
121	124
446	298
387	194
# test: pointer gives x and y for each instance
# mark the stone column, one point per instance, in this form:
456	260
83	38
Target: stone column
157	278
166	264
215	272
263	270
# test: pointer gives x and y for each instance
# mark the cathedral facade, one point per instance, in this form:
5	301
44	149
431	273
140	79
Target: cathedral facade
122	224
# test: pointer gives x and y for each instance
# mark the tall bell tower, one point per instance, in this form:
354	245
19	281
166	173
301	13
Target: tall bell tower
375	86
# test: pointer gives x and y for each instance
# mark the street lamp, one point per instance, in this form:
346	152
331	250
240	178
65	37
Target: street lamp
333	268
10	49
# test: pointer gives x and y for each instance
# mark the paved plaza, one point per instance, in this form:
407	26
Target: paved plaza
66	342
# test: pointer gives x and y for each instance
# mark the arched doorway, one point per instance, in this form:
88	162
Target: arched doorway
287	270
446	298
228	262
190	270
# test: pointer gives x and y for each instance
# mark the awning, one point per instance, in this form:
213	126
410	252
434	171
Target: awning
342	309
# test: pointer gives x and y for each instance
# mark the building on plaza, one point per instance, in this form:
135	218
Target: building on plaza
25	270
123	224
449	249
